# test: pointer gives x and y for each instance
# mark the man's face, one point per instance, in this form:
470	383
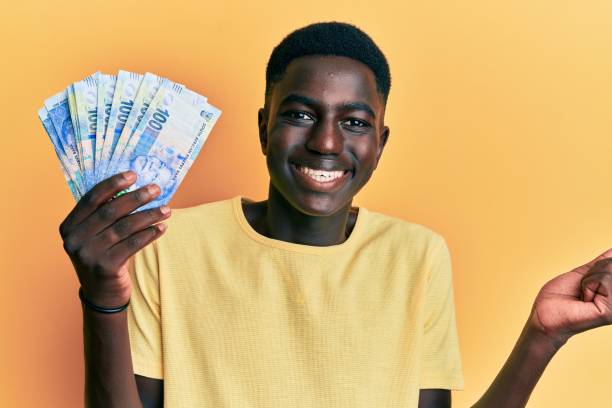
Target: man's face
324	114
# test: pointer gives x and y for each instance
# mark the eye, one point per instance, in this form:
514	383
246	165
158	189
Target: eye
356	123
297	115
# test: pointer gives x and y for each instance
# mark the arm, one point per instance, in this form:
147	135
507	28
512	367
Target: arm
571	303
151	391
109	376
100	235
434	398
108	333
522	370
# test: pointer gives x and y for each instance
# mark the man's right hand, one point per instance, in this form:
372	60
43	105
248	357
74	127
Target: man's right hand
100	235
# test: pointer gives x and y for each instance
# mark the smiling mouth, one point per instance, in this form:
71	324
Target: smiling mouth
319	175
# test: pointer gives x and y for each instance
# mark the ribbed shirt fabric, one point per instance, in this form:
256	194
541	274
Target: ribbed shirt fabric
228	317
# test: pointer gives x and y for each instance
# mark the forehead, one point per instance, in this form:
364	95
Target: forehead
330	79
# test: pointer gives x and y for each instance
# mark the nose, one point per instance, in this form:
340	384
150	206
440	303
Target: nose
325	138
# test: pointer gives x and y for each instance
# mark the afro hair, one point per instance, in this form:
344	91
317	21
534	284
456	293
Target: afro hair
329	38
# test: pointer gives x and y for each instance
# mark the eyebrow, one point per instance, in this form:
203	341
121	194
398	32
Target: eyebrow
347	106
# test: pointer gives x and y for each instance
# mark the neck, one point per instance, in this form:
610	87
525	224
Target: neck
278	219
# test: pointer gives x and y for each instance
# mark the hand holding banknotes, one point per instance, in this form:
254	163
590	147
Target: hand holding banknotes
100	235
124	143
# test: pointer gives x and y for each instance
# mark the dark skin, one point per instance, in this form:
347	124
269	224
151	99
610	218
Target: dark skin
325	113
100	235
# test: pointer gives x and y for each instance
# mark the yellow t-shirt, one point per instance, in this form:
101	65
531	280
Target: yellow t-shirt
230	318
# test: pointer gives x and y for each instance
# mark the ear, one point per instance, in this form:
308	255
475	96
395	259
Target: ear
384	136
262	123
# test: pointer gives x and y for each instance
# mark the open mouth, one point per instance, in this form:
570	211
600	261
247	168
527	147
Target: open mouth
319	179
322	176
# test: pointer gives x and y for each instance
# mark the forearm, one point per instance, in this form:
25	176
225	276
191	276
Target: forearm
109	375
521	372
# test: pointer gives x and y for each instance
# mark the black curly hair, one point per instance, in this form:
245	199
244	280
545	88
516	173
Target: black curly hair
329	38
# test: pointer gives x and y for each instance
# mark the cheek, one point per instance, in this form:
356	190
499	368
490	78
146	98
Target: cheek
275	161
274	153
280	145
284	135
366	153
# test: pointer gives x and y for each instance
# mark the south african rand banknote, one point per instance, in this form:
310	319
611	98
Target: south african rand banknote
86	105
167	139
146	92
106	124
67	170
57	109
106	89
123	99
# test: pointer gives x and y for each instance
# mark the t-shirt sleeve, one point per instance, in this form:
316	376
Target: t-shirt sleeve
441	359
144	314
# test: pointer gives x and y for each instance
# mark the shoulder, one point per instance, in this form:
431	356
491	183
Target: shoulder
210	211
189	223
415	247
202	210
401	232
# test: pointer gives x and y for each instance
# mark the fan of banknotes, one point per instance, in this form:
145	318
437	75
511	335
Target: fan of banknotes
107	124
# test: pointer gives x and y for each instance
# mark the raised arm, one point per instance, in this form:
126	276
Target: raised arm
100	235
573	302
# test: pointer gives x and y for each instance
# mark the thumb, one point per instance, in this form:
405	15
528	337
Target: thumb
587	266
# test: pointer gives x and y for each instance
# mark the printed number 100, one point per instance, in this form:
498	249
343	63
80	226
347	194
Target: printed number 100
159	118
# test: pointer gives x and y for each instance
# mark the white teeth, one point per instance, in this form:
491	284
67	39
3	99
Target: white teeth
320	175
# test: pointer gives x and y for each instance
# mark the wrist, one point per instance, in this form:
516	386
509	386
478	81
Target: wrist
111	298
88	303
541	342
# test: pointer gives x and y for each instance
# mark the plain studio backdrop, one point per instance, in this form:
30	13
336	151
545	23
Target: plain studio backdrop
500	117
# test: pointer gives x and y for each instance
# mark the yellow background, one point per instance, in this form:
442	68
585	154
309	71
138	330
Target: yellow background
500	140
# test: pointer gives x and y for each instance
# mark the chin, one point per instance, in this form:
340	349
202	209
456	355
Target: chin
309	201
318	204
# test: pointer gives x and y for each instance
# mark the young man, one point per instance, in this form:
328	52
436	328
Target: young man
300	300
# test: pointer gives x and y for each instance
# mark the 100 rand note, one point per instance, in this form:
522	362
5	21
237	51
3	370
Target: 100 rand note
149	86
126	89
86	104
167	137
187	96
210	114
58	110
43	114
106	90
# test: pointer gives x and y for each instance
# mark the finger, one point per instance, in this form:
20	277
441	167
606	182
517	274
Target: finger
112	211
123	250
98	195
585	268
130	225
591	286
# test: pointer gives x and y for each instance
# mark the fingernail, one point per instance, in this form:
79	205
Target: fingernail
153	189
164	209
161	227
129	175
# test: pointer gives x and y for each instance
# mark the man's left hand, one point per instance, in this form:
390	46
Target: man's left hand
575	301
